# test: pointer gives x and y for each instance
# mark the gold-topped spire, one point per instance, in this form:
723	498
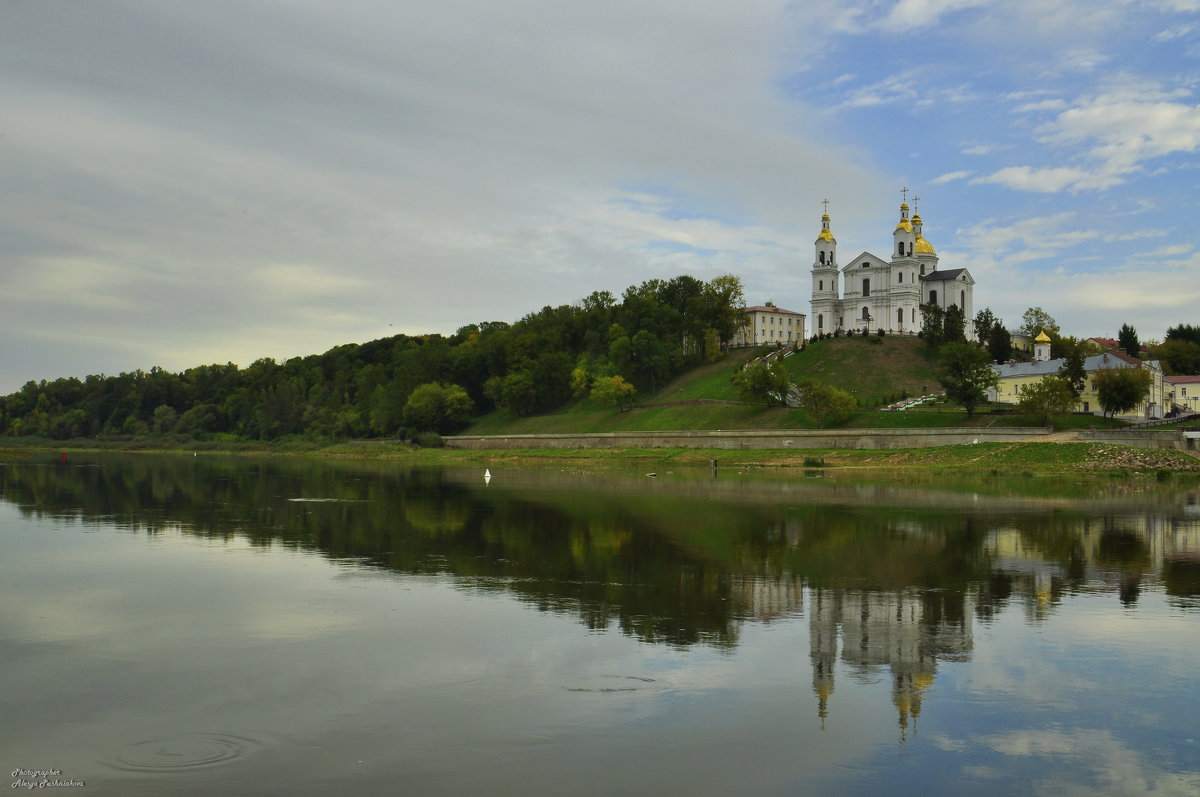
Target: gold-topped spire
904	224
826	234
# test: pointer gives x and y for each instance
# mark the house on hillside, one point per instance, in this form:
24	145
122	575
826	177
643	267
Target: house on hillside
877	293
1012	376
768	325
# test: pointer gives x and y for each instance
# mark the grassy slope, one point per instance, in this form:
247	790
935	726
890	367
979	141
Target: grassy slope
874	372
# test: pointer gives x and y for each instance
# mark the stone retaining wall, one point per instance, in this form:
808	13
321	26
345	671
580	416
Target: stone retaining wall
798	439
1158	438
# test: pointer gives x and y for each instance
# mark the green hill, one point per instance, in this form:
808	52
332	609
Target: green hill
704	398
875	370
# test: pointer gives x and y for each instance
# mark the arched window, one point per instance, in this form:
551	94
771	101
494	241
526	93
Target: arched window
821	283
933	297
900	249
821	257
866	314
866	287
962	300
900	317
914	315
922	269
910	250
900	277
820	321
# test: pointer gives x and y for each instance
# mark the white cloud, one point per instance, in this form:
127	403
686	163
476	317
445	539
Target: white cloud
913	14
1042	105
950	177
1045	181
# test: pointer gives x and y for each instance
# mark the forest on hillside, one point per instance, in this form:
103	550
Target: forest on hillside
402	384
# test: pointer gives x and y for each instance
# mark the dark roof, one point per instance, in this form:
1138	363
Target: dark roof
765	308
948	274
1183	380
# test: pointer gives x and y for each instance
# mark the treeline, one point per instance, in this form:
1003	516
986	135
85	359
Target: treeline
404	383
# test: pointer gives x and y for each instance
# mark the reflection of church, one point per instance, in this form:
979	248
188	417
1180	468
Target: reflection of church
871	630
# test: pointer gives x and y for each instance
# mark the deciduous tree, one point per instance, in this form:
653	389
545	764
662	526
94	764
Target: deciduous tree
965	372
1121	389
1047	398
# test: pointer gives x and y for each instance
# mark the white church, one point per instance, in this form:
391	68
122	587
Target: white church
873	293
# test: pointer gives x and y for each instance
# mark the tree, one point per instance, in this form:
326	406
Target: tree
1121	389
932	325
999	343
985	322
1127	339
1179	355
954	325
1053	395
437	407
1036	320
1072	369
826	404
965	371
762	382
614	390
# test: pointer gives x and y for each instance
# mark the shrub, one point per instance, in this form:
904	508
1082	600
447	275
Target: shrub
429	440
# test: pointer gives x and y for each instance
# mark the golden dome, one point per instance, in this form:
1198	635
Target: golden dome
922	246
905	225
825	235
1042	337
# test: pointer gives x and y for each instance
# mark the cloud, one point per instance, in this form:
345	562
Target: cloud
1042	105
913	14
950	177
1045	181
1114	133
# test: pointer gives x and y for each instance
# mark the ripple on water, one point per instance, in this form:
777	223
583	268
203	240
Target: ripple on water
182	751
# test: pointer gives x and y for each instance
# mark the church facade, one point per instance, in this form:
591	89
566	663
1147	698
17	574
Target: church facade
871	292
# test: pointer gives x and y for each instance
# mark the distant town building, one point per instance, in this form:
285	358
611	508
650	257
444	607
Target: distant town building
1184	392
1012	376
872	293
768	325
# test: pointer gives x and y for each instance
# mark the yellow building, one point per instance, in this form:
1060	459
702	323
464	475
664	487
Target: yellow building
1013	375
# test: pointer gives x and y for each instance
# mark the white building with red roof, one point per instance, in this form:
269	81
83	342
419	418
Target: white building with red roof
768	325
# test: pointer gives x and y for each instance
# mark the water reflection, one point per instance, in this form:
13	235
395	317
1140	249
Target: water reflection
889	594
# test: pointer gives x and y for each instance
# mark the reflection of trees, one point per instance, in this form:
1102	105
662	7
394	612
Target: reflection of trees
679	563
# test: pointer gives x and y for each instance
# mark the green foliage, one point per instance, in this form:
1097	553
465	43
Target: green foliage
429	440
1188	332
615	391
760	382
933	325
1127	339
1120	390
438	407
965	372
1035	320
999	343
826	404
986	323
1052	396
1072	370
1179	355
954	325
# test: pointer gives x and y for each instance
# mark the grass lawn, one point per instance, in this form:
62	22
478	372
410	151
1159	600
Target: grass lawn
874	373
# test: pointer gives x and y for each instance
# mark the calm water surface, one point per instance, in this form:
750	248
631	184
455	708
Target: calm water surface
205	625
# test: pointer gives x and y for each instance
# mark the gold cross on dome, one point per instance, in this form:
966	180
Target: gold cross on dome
916	202
825	202
904	194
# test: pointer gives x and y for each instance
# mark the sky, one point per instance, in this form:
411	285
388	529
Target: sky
190	183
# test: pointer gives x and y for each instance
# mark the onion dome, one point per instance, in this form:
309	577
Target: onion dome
921	245
904	224
825	234
1042	337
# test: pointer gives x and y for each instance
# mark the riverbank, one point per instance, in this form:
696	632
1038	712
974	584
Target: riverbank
1043	457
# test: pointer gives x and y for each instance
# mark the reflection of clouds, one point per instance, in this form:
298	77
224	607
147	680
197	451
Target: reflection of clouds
1098	764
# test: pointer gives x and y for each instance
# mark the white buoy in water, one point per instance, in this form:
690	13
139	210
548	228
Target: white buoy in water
487	475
